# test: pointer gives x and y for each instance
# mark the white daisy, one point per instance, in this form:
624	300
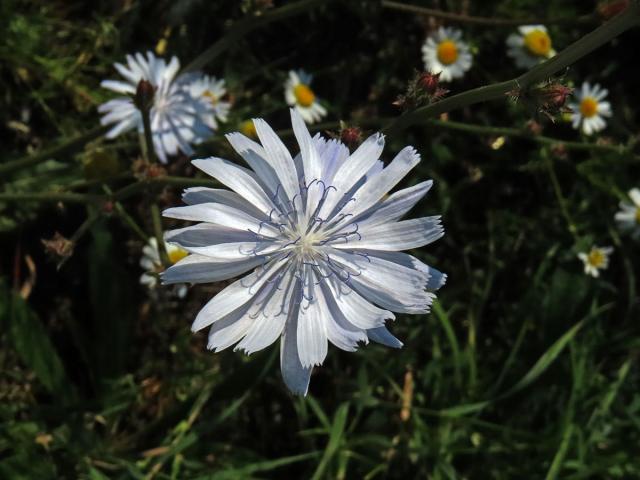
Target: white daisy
298	94
322	241
590	108
209	91
597	259
531	46
152	265
444	52
628	217
174	113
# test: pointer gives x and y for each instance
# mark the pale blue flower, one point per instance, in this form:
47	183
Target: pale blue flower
321	239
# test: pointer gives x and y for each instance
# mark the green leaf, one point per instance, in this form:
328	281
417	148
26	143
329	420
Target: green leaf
335	438
111	294
32	343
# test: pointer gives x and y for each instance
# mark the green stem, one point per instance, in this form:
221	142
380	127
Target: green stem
159	234
487	21
561	200
150	151
246	26
153	183
585	45
120	210
527	135
66	148
51	197
119	195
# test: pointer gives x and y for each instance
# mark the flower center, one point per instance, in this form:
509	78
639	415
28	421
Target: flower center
176	254
588	107
304	95
447	52
638	215
249	129
538	43
211	96
596	258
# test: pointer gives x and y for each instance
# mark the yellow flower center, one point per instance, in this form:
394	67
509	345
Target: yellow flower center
249	129
304	95
588	107
596	258
538	43
176	254
638	215
211	96
447	52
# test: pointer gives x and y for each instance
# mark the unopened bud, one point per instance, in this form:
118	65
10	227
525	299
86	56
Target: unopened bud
423	89
606	10
555	95
350	136
534	127
107	207
143	99
429	82
559	150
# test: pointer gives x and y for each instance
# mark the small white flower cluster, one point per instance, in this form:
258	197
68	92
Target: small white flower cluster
445	53
185	109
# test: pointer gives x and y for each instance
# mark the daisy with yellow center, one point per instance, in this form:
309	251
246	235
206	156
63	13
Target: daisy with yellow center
595	260
445	53
530	46
628	217
152	264
299	95
210	92
589	108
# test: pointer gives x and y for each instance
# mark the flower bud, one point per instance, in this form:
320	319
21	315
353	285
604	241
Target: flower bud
143	99
555	95
429	82
350	136
606	10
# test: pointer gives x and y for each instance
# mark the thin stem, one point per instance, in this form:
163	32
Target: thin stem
585	45
246	26
119	195
66	148
562	202
51	197
149	149
120	210
159	234
86	225
487	21
524	134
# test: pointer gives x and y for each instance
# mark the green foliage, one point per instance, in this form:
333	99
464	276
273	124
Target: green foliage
526	367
